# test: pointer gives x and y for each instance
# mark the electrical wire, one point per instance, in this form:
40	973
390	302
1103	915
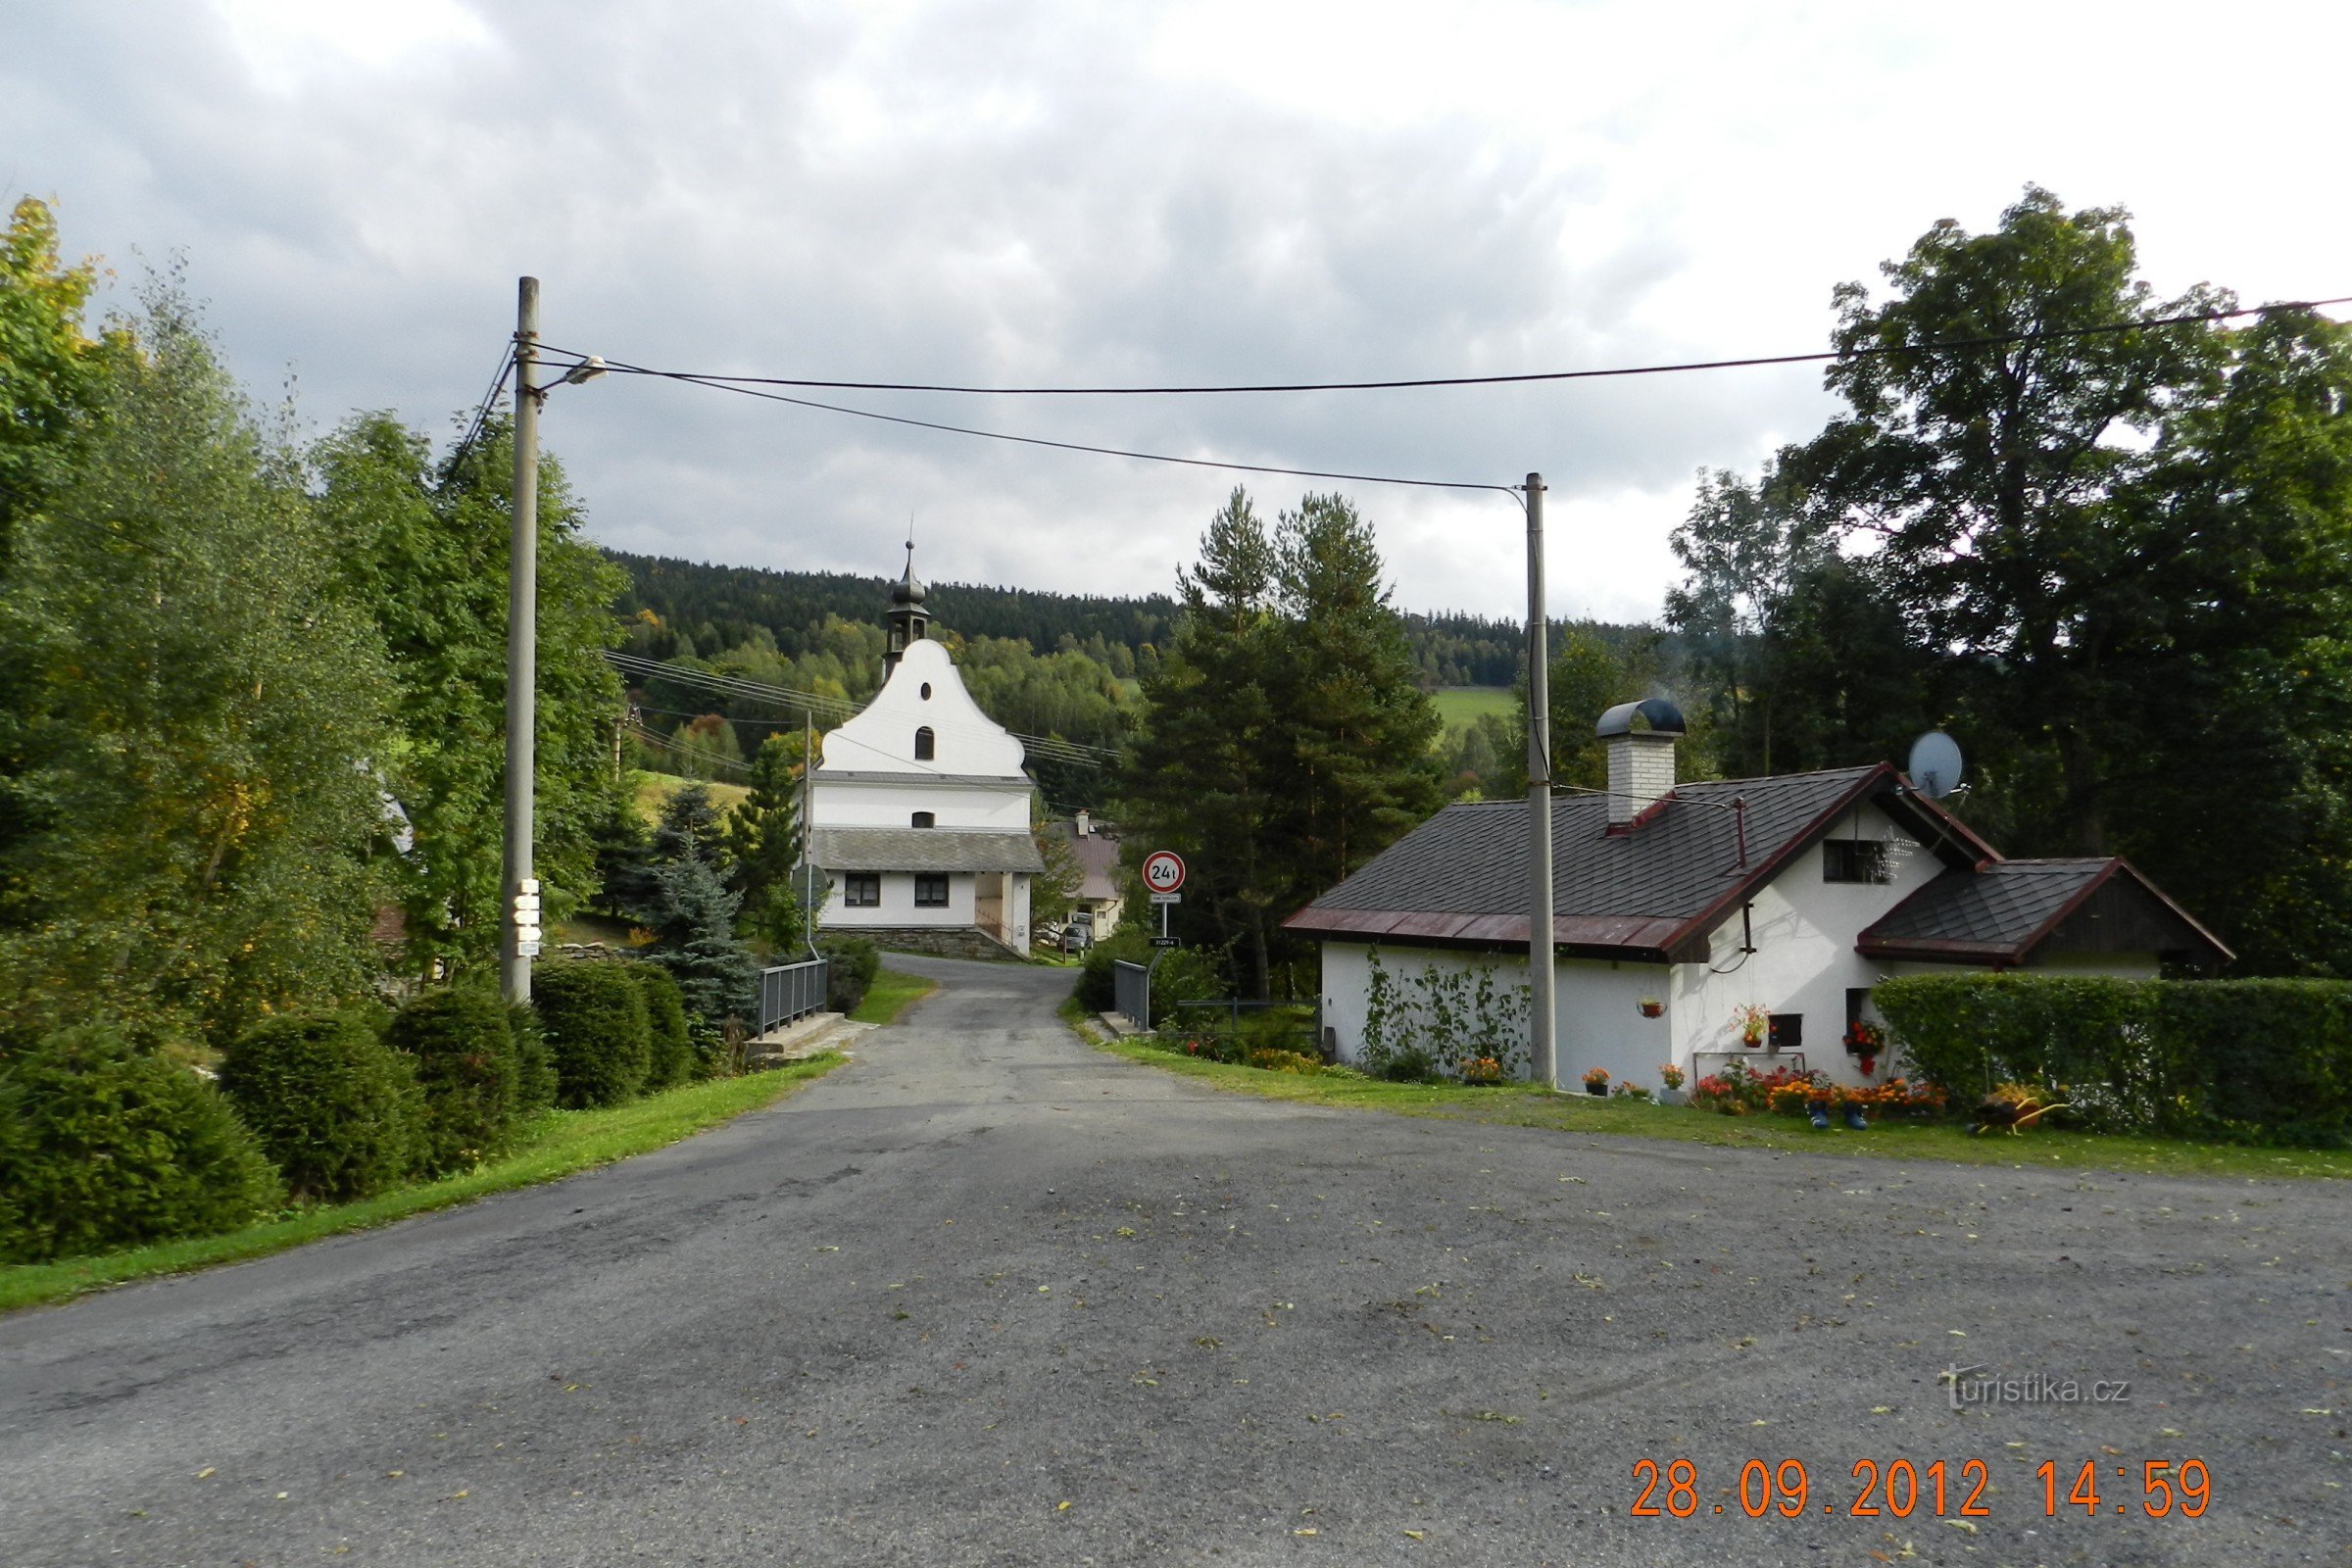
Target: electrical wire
1058	446
1941	345
1051	747
482	410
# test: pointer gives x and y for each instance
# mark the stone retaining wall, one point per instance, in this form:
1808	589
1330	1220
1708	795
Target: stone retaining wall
939	941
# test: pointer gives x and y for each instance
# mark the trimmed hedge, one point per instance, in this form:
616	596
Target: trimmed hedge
594	1015
336	1110
102	1146
464	1047
534	1065
671	1055
2243	1060
855	962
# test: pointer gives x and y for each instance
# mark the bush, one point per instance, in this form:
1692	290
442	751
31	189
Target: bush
1095	990
336	1110
534	1067
594	1015
102	1146
855	962
671	1055
2247	1061
463	1041
1406	1064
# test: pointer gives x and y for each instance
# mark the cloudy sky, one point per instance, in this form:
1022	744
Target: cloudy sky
1227	190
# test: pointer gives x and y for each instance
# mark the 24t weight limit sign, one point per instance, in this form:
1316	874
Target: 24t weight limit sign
1163	871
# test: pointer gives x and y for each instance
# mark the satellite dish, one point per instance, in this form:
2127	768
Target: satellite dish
1934	765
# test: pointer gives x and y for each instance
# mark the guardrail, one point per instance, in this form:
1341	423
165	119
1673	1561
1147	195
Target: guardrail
1131	991
791	991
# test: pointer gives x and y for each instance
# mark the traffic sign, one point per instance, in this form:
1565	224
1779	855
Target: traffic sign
1164	942
1167	897
1163	871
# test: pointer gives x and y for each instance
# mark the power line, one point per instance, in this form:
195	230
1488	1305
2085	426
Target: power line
1941	345
1060	446
482	410
1051	747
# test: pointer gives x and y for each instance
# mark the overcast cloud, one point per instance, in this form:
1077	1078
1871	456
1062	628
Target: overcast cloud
1006	193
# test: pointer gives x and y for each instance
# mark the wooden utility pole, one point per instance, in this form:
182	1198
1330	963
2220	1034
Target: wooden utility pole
1542	1059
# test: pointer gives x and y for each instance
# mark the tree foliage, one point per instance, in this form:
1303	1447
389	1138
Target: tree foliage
197	718
422	543
2116	562
1286	741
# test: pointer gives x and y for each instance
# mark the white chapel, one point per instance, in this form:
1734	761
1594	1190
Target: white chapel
919	809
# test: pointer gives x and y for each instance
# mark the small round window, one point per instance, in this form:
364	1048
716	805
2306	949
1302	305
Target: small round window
926	691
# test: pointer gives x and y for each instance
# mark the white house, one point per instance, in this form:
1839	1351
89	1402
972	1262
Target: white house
919	809
1676	908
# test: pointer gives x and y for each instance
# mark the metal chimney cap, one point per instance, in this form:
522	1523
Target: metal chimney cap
1663	716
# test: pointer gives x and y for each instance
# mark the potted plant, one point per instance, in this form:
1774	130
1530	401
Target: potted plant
1672	1077
1651	1007
1753	1022
1482	1070
1596	1080
1865	1042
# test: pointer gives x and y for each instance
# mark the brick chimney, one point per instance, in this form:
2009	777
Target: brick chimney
1640	739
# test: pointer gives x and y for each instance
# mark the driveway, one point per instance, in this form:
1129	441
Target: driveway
985	1295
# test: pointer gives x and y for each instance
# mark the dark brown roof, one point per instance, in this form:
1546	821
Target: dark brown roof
2016	911
1649	891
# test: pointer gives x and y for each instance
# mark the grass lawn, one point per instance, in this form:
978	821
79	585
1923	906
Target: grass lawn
1460	706
1519	1106
560	1142
891	995
651	789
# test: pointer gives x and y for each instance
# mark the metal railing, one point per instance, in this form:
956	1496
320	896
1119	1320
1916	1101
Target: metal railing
791	991
1131	991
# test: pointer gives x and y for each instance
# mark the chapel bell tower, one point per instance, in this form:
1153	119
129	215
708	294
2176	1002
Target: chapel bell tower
908	620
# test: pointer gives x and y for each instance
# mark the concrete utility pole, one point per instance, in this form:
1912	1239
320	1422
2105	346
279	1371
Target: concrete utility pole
522	654
1542	1059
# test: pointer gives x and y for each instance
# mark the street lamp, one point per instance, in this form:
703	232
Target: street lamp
519	940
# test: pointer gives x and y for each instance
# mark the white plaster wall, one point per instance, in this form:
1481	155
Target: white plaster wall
1804	931
881	738
1597	1013
898	906
876	803
1018	913
1598	1005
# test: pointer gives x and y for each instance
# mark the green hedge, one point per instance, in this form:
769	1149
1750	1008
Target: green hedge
464	1047
594	1015
854	964
335	1110
534	1063
669	1054
104	1147
2246	1061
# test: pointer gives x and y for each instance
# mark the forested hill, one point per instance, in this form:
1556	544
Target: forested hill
715	607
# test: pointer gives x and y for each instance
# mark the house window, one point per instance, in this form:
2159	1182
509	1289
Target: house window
1854	860
1788	1032
926	691
931	890
926	819
861	890
924	744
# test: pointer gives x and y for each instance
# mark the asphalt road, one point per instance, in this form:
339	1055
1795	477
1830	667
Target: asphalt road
986	1295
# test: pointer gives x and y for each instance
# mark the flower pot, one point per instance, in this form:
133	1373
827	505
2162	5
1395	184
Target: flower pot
1753	1042
1654	1010
1601	1090
1672	1096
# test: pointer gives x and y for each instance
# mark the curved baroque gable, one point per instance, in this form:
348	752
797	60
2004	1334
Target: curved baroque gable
882	739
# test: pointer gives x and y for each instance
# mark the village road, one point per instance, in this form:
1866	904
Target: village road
986	1295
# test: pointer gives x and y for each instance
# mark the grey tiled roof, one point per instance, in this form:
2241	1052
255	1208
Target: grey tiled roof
922	849
1998	907
1462	875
